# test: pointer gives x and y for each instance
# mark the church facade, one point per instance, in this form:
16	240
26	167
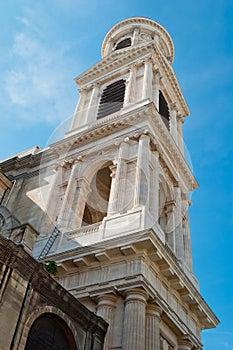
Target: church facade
110	200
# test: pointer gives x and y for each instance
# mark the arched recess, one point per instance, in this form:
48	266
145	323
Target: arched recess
50	332
37	312
96	206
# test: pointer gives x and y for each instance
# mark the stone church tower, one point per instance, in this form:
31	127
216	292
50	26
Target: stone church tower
111	199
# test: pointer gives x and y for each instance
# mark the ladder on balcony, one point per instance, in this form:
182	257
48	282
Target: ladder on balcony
49	243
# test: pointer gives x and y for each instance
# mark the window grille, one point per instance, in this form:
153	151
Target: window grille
112	99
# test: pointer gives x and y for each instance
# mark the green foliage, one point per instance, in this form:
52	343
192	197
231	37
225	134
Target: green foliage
51	267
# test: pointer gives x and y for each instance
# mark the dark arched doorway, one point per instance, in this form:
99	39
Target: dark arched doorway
50	332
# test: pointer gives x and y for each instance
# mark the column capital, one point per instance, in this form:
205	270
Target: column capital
157	75
106	300
180	119
184	344
174	107
147	60
82	89
136	294
170	206
154	310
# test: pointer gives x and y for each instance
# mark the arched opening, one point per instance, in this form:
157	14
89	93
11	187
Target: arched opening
163	109
123	43
112	99
97	202
50	332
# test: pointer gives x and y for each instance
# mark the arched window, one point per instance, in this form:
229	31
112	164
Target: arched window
163	109
97	202
50	332
112	99
123	43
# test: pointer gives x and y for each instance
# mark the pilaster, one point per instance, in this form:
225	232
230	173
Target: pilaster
147	81
79	112
67	202
93	104
130	86
116	198
180	140
83	189
51	205
170	208
173	122
156	89
154	192
178	225
142	171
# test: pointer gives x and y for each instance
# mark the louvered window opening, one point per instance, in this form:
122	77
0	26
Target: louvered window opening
112	99
123	43
163	109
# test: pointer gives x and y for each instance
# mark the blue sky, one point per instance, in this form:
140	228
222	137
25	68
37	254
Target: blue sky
45	44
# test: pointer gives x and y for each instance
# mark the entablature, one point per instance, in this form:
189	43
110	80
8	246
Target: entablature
119	62
144	244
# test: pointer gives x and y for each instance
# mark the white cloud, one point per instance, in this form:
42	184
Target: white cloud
40	77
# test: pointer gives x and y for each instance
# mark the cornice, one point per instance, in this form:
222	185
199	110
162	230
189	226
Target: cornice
122	120
139	21
128	56
150	245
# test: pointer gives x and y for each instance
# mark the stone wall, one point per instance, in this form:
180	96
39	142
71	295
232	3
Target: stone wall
27	292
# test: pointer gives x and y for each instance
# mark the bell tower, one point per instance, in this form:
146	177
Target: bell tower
121	188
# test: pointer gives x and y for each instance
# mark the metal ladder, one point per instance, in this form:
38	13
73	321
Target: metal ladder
49	243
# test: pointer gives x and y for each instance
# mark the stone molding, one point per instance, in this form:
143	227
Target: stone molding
136	22
147	241
118	59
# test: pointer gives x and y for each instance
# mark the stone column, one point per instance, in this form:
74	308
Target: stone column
135	35
147	80
51	204
142	171
106	309
178	225
170	208
180	140
83	189
184	344
173	122
93	104
153	313
116	198
130	86
79	112
187	241
156	89
63	218
134	320
154	192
